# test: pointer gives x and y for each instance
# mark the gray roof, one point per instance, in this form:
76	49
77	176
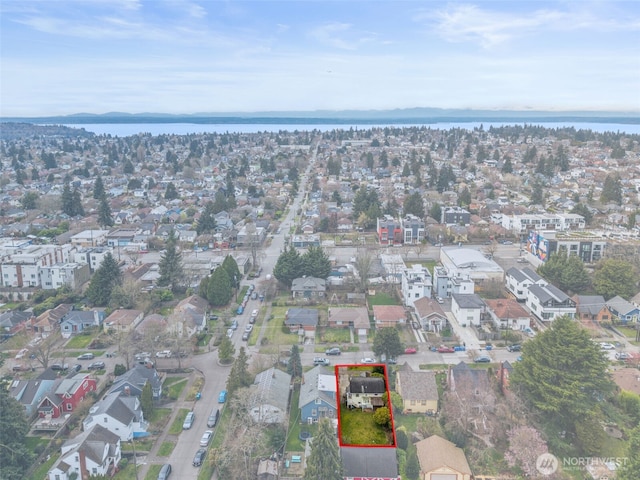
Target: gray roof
137	377
548	292
524	274
308	283
369	462
302	316
72	384
620	305
272	387
366	385
591	304
92	443
468	300
118	406
417	385
311	389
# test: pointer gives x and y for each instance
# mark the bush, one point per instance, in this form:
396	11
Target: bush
119	369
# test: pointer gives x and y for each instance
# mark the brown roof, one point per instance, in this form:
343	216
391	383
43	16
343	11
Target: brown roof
628	379
388	312
507	308
417	385
436	452
123	316
358	315
426	307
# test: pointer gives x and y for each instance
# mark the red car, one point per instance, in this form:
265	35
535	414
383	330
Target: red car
444	349
410	350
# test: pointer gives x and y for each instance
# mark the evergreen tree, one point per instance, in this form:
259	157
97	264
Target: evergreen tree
207	221
630	468
104	280
105	219
412	467
612	190
29	200
406	171
239	376
324	462
15	456
387	343
128	168
294	367
146	400
231	267
615	277
315	263
78	210
219	290
507	166
219	202
414	205
226	350
537	194
67	200
582	209
563	374
288	266
171	193
98	189
464	198
170	266
435	212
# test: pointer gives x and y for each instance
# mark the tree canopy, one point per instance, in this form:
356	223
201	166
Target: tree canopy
294	367
239	376
170	266
15	456
288	266
387	342
414	205
615	277
207	221
217	288
105	279
566	273
563	374
324	462
315	263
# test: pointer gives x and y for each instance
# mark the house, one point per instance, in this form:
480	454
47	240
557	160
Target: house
134	380
49	320
13	321
416	283
120	413
93	452
389	230
518	282
591	308
302	321
455	216
440	459
418	390
413	230
73	275
389	315
350	317
189	316
468	309
508	314
123	320
29	393
547	302
308	287
625	311
470	264
66	396
317	395
430	314
77	321
268	469
366	392
270	397
369	463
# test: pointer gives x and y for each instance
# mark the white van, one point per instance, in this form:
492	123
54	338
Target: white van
188	421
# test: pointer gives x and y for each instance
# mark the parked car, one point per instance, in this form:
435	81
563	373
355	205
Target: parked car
96	366
163	354
58	367
222	397
206	438
248	328
199	457
440	300
321	361
445	349
482	359
188	421
212	421
410	350
76	368
514	348
254	296
607	346
86	356
245	336
332	351
165	471
367	360
623	356
230	332
234	325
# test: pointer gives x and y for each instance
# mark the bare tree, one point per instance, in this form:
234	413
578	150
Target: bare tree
42	351
364	264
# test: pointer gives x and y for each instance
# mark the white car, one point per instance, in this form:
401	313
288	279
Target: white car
607	346
440	300
206	438
163	354
367	360
248	328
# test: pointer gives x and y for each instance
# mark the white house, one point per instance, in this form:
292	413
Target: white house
467	308
269	397
518	282
416	283
119	413
93	452
548	302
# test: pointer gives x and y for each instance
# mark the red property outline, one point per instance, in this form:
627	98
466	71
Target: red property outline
339	405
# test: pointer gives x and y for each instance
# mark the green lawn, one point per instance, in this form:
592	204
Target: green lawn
174	389
41	472
152	473
158	419
143	445
334	335
165	449
382	298
273	330
358	428
628	332
176	427
79	341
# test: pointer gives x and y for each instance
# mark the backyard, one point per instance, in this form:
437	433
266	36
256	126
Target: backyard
359	428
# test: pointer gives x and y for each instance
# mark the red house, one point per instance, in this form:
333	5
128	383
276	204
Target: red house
66	395
389	231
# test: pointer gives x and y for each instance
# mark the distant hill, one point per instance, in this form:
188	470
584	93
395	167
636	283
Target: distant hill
397	116
14	130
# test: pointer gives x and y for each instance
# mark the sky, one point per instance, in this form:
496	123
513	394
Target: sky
62	57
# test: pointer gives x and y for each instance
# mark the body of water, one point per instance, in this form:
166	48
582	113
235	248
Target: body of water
128	129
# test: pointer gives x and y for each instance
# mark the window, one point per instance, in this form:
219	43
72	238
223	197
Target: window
318	401
94	471
69	406
314	412
105	419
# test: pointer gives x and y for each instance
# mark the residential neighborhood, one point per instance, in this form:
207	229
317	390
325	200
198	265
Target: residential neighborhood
297	282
